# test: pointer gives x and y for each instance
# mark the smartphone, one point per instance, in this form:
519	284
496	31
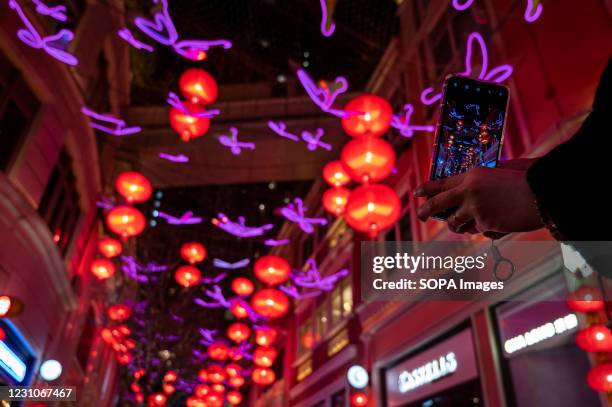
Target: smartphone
470	128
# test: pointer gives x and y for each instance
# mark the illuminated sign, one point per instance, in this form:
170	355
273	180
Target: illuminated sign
11	363
427	373
541	333
358	377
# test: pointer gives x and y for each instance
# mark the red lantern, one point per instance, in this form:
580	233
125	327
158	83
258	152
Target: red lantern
272	270
218	351
238	309
600	378
270	303
157	400
585	299
242	286
201	390
107	336
170	376
102	268
238	332
123	358
125	221
370	115
133	186
218	388
135	387
372	208
139	373
595	338
265	336
193	401
198	86
168	388
124	330
334	200
359	399
236	382
193	252
119	312
368	159
335	174
233	370
186	125
308	340
187	276
139	398
130	343
216	373
263	376
234	397
109	247
264	356
214	400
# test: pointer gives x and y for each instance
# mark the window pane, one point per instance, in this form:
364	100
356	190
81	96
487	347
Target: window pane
347	298
336	305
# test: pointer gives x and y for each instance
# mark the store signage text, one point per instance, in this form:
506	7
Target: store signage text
541	333
434	370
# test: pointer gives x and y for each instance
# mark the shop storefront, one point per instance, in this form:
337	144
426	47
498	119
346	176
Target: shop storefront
16	357
444	373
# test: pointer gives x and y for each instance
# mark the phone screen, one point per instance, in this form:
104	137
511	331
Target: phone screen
470	129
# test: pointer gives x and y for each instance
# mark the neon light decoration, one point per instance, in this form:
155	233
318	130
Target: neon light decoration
214	280
293	292
179	158
325	95
295	212
186	218
128	37
232	142
222	264
51	44
274	242
219	301
402	123
57	12
239	228
280	128
208	335
533	11
311	278
498	74
176	102
11	363
327	25
110	125
313	141
462	6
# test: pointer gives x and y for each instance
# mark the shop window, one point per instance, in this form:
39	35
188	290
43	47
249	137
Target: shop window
59	206
18	106
306	337
341	301
320	322
87	337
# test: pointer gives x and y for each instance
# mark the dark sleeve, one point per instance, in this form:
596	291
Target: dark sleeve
572	183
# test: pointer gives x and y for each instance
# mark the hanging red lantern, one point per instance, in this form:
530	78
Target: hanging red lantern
270	303
242	286
135	387
157	400
130	343
119	312
308	340
234	397
102	268
123	358
189	126
216	373
264	356
585	299
139	398
233	370
218	351
168	388
335	174
369	115
368	159
107	335
109	247
595	338
214	400
187	276
359	399
272	270
238	308
193	252
133	186
334	200
236	382
203	375
265	336
126	221
201	390
124	330
600	378
138	373
198	86
218	388
170	376
263	376
238	332
193	401
372	208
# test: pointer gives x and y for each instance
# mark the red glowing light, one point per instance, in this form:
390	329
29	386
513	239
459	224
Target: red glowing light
238	332
102	268
368	159
600	378
218	351
270	303
265	336
234	397
216	373
193	401
335	199
264	356
263	376
133	186
193	252
139	373
125	221
236	382
201	390
335	174
198	86
372	208
109	247
359	400
157	400
187	126
123	358
595	338
2	334
170	376
5	305
119	312
272	270
135	387
242	286
374	120
308	340
238	310
187	276
168	388
585	299
218	388
233	370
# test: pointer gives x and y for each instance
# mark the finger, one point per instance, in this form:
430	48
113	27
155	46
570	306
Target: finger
461	228
439	203
431	188
460	220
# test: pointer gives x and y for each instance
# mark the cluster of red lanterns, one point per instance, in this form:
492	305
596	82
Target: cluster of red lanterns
199	88
119	312
271	302
118	337
595	338
366	159
212	391
189	275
